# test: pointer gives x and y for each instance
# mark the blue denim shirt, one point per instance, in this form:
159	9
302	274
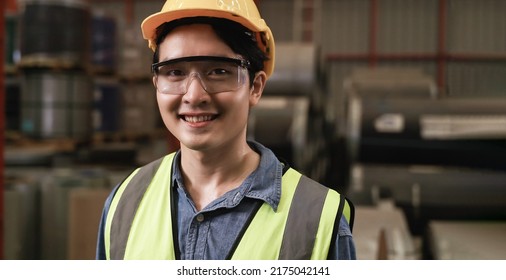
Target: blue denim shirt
210	234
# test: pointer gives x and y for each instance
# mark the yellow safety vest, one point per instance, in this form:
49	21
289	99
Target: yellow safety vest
303	226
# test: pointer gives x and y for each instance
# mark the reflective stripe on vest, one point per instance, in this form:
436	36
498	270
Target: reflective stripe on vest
136	229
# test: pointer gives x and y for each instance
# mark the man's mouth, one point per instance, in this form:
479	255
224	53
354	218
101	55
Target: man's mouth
197	119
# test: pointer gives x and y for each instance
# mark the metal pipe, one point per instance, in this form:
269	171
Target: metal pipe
416	56
3	8
129	11
373	33
441	62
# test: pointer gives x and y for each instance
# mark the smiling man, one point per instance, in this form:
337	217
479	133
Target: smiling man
220	196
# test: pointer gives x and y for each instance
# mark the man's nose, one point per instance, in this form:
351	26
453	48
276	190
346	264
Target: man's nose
195	88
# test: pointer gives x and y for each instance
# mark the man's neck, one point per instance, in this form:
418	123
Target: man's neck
210	174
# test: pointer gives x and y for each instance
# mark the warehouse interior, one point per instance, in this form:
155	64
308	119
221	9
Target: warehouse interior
398	104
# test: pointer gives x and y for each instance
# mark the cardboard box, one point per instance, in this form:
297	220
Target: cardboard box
85	209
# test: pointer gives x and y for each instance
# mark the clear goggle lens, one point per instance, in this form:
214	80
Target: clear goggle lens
216	74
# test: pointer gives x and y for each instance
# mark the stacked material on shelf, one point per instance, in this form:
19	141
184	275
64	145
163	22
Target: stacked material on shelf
381	232
467	240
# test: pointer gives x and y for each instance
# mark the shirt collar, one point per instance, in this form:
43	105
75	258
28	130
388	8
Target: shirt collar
264	183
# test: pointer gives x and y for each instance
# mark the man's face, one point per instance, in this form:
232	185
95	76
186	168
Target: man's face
202	120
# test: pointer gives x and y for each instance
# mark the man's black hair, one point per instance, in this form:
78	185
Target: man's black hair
240	39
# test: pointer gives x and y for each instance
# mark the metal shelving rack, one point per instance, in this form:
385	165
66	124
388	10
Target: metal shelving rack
441	56
3	9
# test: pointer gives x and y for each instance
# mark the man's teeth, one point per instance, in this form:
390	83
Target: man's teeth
195	119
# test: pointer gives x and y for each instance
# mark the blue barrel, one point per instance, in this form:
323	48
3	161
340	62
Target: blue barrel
11	41
103	58
13	102
106	105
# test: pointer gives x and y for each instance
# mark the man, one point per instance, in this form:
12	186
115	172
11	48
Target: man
220	196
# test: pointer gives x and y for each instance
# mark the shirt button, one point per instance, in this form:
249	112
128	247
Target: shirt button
200	218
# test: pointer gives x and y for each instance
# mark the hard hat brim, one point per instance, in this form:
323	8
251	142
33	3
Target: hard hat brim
150	24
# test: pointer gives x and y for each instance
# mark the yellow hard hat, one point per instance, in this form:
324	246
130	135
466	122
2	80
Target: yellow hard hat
244	12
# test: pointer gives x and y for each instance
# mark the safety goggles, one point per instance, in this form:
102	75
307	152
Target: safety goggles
216	74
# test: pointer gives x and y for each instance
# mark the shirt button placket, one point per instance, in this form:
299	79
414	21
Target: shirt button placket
201	241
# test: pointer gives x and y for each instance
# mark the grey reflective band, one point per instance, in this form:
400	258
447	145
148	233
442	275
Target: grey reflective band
303	220
127	207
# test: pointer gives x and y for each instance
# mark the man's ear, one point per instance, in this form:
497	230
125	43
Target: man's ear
257	88
154	81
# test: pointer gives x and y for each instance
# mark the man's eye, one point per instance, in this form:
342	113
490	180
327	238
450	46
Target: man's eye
171	72
219	71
